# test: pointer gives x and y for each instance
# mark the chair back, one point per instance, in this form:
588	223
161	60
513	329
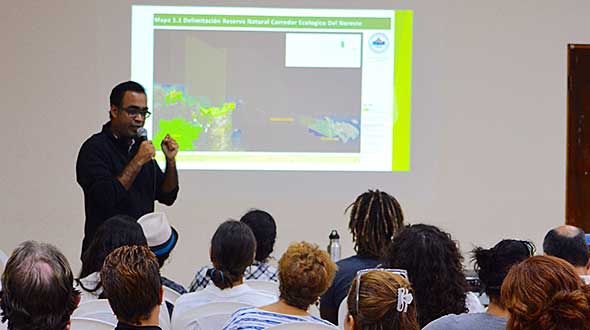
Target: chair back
212	316
82	323
98	309
342	312
314	310
265	286
170	295
3	260
302	326
164	317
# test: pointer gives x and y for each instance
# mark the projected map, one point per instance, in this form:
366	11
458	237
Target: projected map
231	91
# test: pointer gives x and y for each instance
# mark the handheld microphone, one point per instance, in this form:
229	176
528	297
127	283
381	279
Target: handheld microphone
141	134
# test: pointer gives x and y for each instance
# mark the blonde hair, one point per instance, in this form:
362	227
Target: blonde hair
305	273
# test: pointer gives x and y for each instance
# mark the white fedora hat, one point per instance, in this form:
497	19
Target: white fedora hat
161	237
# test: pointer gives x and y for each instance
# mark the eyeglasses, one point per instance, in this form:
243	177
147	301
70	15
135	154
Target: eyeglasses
401	272
134	111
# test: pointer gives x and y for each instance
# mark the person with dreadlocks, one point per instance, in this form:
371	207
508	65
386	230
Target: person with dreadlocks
375	217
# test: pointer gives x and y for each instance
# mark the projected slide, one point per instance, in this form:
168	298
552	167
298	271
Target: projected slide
277	89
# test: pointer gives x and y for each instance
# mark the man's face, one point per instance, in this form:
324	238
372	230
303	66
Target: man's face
123	123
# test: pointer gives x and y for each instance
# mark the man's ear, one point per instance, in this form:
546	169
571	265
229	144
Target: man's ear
211	257
161	294
114	111
588	267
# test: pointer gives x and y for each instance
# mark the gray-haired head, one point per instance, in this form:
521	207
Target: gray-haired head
37	288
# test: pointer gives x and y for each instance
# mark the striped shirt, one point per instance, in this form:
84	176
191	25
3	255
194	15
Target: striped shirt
258	319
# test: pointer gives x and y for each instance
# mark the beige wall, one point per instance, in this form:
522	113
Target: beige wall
488	135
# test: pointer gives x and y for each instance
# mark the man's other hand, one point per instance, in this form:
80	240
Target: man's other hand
169	147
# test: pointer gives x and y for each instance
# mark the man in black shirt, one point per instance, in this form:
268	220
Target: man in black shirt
115	167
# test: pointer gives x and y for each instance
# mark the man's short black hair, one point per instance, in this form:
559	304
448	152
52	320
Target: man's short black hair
119	91
567	243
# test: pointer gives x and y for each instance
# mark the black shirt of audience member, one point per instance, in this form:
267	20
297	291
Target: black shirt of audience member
101	158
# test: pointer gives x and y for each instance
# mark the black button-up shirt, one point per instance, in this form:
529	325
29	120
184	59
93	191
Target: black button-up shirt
100	160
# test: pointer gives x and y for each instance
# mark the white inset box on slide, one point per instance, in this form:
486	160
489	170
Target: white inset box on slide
323	50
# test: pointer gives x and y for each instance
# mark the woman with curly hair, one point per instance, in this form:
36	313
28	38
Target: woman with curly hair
380	300
545	292
435	270
305	272
492	266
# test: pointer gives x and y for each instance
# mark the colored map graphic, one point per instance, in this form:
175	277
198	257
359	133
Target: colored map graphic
191	121
330	129
196	124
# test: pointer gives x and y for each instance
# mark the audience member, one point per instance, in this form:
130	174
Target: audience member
569	243
265	230
37	290
435	269
232	250
544	292
115	232
161	238
131	281
492	266
375	218
305	272
380	299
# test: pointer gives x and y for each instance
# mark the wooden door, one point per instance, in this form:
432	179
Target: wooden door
578	137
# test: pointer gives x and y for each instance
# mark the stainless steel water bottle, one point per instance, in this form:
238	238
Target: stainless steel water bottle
334	246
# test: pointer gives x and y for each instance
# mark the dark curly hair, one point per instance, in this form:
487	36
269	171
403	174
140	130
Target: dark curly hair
434	267
265	230
375	217
492	265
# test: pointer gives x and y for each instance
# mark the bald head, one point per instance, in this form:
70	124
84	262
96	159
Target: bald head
568	231
568	243
37	288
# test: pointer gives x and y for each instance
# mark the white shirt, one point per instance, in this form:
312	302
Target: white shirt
473	304
241	294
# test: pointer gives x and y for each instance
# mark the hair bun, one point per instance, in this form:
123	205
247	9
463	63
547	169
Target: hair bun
569	307
483	257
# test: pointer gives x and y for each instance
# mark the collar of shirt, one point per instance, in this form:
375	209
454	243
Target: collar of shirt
120	143
125	326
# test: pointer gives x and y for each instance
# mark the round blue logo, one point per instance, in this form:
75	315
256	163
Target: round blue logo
378	43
